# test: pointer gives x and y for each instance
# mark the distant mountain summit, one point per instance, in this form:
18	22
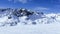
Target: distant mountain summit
24	16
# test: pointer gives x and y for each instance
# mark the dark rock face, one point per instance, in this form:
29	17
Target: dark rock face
13	24
9	17
19	13
2	10
22	12
34	23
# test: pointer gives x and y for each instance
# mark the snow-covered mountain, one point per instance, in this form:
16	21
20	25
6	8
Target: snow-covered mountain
24	16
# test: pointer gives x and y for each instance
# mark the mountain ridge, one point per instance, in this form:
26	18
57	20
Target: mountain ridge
25	16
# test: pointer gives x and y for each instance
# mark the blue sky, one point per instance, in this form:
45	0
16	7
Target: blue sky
43	5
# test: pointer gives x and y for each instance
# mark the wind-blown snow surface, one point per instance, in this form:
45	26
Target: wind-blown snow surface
31	29
33	24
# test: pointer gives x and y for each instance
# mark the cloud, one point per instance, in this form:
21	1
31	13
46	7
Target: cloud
41	8
22	1
47	9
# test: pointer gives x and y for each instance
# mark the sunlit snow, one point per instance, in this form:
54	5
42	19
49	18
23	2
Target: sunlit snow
37	23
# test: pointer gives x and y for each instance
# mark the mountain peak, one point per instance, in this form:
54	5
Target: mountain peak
25	16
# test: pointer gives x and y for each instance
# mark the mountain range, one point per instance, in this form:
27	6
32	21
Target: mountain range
23	16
